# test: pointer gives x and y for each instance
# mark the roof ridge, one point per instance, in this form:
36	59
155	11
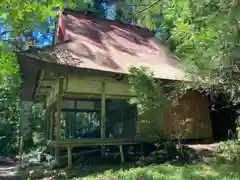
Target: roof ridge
92	14
87	12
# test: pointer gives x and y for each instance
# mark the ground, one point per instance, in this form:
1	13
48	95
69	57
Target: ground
9	169
128	171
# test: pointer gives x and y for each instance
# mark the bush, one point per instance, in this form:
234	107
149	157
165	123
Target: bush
34	138
9	116
230	150
167	172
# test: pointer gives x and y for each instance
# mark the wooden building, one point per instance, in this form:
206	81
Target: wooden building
82	80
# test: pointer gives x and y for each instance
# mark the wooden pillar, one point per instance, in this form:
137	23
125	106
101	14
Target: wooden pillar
103	116
58	119
48	122
73	123
53	119
69	149
67	132
45	125
51	128
121	153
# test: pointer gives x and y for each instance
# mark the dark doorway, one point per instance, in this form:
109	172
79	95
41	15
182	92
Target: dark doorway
223	117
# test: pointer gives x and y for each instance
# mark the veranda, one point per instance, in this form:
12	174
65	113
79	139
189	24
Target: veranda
88	111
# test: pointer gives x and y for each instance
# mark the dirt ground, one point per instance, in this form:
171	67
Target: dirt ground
9	169
205	149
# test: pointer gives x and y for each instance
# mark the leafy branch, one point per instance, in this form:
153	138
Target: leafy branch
147	8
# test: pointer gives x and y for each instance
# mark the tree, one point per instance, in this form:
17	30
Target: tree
204	35
18	19
25	24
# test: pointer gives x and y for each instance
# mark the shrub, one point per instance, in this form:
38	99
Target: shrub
230	150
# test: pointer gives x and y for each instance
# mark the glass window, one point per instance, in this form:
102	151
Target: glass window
121	118
83	120
88	124
68	126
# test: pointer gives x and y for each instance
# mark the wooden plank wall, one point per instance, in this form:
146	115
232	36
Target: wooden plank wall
193	109
94	86
52	96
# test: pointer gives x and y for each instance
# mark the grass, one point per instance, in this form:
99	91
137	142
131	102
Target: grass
172	172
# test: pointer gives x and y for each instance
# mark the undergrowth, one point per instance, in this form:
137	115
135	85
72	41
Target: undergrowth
169	172
230	150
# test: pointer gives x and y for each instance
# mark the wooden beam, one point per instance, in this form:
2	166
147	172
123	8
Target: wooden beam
103	116
43	90
52	101
39	80
58	120
93	85
93	95
47	82
52	95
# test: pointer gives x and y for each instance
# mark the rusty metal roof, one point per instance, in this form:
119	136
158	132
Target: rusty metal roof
112	46
93	46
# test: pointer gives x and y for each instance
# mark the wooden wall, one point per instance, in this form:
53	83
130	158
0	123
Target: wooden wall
90	86
193	107
193	114
190	119
51	97
94	84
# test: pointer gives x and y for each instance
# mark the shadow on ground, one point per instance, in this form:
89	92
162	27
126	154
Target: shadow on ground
11	172
93	167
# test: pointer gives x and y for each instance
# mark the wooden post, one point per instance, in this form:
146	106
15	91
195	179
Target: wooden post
21	152
53	121
121	153
45	126
67	132
69	149
103	116
51	133
58	119
48	122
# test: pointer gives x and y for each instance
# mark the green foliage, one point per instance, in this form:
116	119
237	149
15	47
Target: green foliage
18	18
9	103
21	16
203	34
170	172
8	65
230	150
34	133
151	100
149	93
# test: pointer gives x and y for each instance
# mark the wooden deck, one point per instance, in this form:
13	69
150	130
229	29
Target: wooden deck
70	143
99	141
